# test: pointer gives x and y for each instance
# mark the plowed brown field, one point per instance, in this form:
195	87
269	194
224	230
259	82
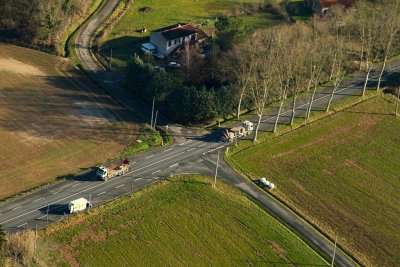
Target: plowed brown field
53	120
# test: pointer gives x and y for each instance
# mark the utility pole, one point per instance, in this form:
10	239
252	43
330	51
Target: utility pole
90	198
34	245
111	59
397	102
334	253
47	213
216	170
155	120
152	113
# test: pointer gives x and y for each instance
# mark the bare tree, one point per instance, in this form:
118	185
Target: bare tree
367	26
389	23
262	77
338	70
239	63
322	51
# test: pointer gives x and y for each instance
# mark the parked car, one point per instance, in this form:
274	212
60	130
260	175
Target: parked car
149	48
158	55
173	64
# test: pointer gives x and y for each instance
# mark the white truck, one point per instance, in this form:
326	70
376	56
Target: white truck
266	183
79	204
245	128
106	173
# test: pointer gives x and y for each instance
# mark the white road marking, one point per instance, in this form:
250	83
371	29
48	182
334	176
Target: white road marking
173	156
185	142
19	226
120	186
56	192
156	172
190	149
174	165
139	179
202	145
17	208
42	217
37	200
102	193
149	156
75	184
168	149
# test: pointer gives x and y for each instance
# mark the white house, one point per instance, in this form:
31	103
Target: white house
168	39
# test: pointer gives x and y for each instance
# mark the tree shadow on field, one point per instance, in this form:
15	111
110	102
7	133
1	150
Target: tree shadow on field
68	106
85	174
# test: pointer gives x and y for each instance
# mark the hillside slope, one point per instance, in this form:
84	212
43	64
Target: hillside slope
343	174
53	120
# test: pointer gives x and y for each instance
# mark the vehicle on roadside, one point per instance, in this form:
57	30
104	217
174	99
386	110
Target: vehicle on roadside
173	64
105	173
79	204
158	55
232	134
266	183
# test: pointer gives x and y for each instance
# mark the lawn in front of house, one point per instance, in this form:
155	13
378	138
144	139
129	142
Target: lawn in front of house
124	39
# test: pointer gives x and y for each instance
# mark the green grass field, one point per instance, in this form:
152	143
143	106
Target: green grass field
343	174
125	40
183	221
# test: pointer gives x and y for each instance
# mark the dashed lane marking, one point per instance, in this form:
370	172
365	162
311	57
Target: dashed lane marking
175	165
202	145
156	172
120	186
149	157
209	151
42	217
17	208
102	193
56	192
190	149
75	184
37	200
139	179
19	226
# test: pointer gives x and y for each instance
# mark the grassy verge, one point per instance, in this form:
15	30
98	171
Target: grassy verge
341	174
182	221
299	122
147	139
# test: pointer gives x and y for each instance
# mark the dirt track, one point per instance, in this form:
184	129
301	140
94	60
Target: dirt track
53	120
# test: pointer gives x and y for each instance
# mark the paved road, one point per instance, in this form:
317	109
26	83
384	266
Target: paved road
193	154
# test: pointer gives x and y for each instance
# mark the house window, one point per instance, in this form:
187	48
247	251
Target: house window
169	43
